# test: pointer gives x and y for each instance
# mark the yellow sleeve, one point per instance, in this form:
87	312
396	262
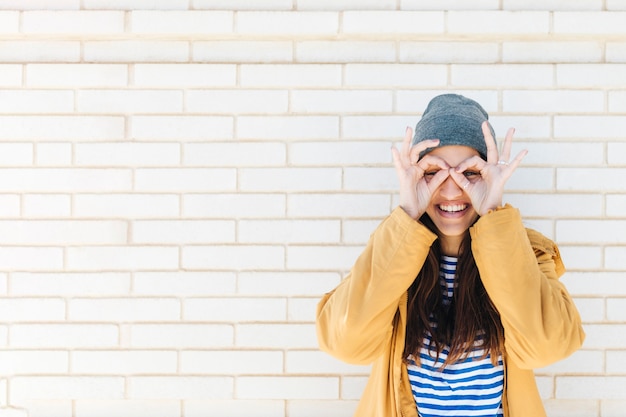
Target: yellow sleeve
520	270
354	321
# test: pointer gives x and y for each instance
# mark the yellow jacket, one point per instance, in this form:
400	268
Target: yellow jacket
363	320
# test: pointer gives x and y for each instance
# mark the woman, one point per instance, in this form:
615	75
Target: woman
453	301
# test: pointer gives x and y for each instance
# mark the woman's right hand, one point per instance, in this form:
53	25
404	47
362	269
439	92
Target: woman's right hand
418	178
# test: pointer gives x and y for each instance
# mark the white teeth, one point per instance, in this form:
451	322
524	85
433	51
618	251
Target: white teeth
453	208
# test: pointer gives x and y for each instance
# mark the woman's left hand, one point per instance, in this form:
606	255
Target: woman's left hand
486	188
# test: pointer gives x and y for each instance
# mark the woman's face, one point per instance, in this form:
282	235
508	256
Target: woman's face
450	207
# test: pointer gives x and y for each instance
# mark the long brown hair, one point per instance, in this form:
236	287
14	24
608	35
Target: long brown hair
470	315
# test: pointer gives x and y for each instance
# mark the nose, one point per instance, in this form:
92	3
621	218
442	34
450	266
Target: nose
450	190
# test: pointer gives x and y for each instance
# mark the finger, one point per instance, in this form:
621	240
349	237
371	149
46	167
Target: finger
508	143
429	161
518	159
438	179
460	179
490	141
475	162
397	162
420	147
406	143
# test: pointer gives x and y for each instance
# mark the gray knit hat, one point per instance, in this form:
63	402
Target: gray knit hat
454	120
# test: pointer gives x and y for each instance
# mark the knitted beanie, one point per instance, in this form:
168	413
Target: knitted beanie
454	120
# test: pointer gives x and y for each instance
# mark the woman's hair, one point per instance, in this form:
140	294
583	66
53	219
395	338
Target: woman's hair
470	317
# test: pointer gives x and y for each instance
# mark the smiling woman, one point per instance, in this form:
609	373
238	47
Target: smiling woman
453	300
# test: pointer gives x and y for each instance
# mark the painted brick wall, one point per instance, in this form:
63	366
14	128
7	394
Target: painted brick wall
181	180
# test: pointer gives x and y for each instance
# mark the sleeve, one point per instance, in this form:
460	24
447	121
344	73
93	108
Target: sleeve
354	321
520	270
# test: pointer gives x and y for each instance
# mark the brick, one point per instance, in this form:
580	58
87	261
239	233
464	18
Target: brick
9	22
239	154
10	75
289	179
242	205
287	23
180	387
346	5
615	153
64	335
237	101
116	258
286	387
415	101
596	22
601	336
53	154
590	231
129	101
575	154
72	22
39	4
54	128
183	231
136	4
540	178
185	128
4	284
615	362
69	284
236	310
4	335
328	408
243	5
449	52
287	127
594	283
132	51
502	75
612	408
340	51
31	310
286	283
615	257
127	154
187	75
571	408
301	75
16	154
590	387
580	362
240	257
588	126
15	362
338	205
339	153
357	231
39	51
235	408
500	22
126	205
615	5
59	408
557	205
370	179
335	257
124	362
65	387
393	22
398	75
229	362
581	257
36	101
303	309
617	103
375	127
242	51
128	408
615	205
591	309
551	5
545	386
278	336
552	52
31	258
185	179
352	387
590	75
184	283
317	362
615	52
590	179
553	101
288	231
525	126
173	22
449	5
61	232
10	205
124	309
344	101
183	336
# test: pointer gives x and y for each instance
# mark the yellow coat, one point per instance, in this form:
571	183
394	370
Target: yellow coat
363	320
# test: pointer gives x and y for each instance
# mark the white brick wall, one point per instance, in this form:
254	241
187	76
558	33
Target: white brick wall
181	180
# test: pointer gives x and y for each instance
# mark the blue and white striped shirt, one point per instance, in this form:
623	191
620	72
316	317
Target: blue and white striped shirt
471	387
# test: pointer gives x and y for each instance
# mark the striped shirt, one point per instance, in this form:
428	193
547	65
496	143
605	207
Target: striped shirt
471	387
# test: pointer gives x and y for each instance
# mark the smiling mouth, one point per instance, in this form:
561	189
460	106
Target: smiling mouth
453	208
